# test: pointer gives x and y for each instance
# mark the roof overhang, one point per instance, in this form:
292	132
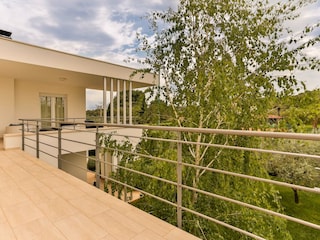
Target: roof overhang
28	62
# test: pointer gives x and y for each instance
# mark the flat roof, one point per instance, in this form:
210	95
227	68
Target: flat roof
25	61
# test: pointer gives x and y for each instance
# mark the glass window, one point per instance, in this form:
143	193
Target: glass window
52	108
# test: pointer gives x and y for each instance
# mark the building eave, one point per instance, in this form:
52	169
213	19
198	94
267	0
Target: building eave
25	61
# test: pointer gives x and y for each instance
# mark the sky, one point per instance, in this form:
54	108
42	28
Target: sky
101	29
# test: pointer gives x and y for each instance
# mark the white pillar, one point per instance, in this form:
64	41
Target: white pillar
111	102
104	100
124	105
118	101
130	102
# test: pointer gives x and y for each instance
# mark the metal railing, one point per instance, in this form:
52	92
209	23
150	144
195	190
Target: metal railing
105	139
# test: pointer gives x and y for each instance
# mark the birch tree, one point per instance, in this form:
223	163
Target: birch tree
222	64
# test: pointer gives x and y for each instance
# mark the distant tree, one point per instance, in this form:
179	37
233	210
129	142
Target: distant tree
138	105
303	109
95	114
158	113
295	170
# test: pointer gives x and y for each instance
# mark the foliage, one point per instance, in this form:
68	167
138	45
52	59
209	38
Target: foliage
158	113
264	195
95	114
122	151
220	63
218	58
294	169
91	165
303	109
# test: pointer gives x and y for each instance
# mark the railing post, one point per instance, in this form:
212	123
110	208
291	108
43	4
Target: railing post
59	146
22	135
97	159
37	140
179	181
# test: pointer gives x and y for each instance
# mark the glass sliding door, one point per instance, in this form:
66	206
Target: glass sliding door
59	108
45	111
52	109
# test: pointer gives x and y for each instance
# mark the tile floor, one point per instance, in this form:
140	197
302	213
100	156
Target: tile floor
38	201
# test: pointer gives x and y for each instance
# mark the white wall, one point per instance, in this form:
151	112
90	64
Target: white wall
21	99
6	103
27	98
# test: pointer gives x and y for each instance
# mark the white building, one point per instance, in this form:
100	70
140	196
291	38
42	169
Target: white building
40	83
36	82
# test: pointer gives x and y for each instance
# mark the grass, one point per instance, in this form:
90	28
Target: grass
307	209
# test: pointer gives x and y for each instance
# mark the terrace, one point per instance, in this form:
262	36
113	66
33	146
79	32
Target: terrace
38	193
39	201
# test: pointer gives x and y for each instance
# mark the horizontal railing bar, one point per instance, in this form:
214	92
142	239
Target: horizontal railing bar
223	224
30	139
74	165
141	173
297	220
48	154
210	145
313	190
236	147
308	189
75	141
144	192
266	134
30	146
142	155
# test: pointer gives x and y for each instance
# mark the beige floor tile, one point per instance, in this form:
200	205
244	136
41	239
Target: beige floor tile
68	192
37	171
176	233
89	205
108	237
5	162
13	195
40	195
159	227
5	180
3	218
80	227
53	181
30	184
22	213
57	209
6	232
38	229
147	235
17	173
113	227
122	219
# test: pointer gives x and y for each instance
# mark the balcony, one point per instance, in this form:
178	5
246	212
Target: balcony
39	201
66	148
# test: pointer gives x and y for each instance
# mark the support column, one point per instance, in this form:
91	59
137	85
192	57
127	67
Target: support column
104	100
111	102
130	102
124	102
118	101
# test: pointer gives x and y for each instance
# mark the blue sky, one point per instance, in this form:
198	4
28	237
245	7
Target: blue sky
100	29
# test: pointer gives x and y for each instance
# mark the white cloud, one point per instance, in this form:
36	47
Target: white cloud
101	29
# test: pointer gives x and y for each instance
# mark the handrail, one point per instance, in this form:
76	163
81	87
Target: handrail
99	129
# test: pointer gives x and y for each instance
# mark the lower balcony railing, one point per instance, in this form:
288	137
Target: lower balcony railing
204	177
